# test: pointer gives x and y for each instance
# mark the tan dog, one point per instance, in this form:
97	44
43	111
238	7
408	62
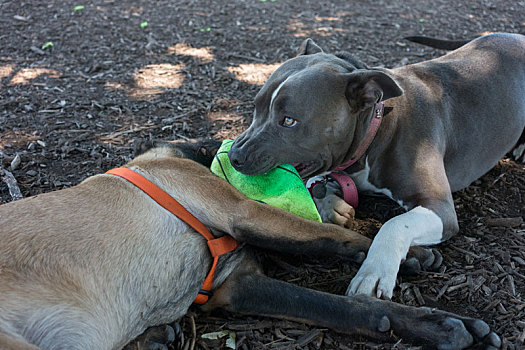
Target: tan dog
93	266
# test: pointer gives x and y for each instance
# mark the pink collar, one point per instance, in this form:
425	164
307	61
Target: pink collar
369	137
348	186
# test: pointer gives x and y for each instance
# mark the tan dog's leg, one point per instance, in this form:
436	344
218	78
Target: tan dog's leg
8	342
268	227
222	208
264	226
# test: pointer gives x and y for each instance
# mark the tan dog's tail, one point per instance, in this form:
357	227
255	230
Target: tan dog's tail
437	43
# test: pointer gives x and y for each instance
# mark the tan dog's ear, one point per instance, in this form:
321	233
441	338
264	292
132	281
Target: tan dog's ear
308	47
141	146
199	150
366	87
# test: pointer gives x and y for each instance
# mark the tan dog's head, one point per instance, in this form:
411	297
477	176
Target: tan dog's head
309	111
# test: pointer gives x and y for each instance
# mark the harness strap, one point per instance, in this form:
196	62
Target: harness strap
217	246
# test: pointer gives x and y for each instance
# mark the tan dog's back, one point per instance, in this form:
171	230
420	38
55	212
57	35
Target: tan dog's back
87	258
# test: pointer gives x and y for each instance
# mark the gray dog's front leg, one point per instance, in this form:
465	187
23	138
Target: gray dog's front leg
332	208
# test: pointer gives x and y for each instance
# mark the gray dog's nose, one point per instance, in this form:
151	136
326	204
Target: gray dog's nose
236	158
235	162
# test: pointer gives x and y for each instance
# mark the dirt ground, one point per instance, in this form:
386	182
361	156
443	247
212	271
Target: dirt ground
123	70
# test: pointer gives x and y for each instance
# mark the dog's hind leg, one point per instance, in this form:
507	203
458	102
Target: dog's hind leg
255	294
8	342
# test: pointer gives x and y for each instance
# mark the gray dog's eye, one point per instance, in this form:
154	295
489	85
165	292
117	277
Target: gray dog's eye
288	122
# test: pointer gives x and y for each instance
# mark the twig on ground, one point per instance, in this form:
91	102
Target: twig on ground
193	333
11	183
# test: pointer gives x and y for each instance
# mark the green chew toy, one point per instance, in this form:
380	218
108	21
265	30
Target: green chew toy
281	187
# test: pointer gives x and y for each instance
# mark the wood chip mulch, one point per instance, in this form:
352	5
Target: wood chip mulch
75	108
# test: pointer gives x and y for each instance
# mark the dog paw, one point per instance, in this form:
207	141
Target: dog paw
376	280
431	328
157	338
421	259
447	331
333	209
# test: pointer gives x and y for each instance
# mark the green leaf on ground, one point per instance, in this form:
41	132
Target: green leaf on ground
143	24
230	342
46	45
78	8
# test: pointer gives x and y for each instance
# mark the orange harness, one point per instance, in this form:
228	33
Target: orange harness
217	246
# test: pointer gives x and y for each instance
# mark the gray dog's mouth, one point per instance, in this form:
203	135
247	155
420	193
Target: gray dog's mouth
307	169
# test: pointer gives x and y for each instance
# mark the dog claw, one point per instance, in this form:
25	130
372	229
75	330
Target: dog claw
410	267
479	328
384	324
179	336
164	335
421	259
482	332
438	259
383	293
494	340
462	338
156	338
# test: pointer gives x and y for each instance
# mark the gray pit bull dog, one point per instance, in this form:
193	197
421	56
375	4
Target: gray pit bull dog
447	122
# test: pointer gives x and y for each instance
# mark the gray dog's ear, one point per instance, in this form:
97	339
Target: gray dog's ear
366	87
308	47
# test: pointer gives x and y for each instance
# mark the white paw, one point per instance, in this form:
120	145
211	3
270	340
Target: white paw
376	277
